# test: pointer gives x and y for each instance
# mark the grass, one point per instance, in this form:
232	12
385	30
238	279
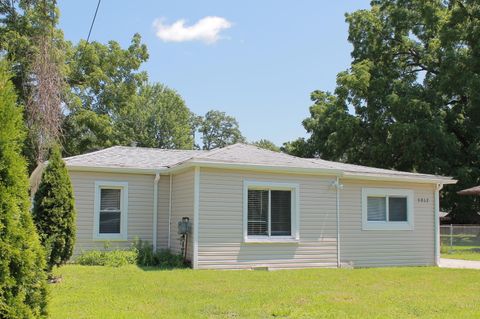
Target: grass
461	252
133	292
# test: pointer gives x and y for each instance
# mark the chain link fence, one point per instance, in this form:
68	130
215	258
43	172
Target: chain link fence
460	238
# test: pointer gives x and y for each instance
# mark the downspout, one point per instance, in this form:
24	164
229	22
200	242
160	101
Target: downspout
437	224
170	213
155	210
338	187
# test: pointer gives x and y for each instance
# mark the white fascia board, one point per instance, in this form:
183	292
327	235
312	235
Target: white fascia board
256	167
412	179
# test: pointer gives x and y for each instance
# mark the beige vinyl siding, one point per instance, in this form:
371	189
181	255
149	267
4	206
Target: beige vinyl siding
182	206
373	248
140	208
163	207
220	240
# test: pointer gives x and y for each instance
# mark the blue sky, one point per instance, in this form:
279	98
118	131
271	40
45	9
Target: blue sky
257	60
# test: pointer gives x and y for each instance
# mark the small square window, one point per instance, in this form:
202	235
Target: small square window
387	209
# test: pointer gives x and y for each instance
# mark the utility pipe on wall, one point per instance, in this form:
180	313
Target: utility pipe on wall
155	210
437	223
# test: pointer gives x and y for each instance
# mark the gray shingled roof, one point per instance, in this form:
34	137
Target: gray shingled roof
132	157
237	154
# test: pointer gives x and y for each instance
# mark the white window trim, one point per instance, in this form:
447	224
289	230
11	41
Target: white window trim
387	225
295	211
123	186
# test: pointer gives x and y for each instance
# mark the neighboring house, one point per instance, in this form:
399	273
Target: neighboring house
251	207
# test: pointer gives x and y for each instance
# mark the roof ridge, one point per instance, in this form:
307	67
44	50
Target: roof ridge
158	148
92	152
214	151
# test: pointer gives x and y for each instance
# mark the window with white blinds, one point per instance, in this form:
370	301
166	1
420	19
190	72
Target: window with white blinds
396	212
387	209
258	212
270	212
111	205
377	209
110	210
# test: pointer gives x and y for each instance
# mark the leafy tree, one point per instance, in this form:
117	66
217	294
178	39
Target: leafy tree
22	261
409	100
159	118
30	40
219	130
266	144
54	211
104	83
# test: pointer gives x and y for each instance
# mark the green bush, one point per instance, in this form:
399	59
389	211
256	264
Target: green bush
113	258
54	211
23	292
141	254
146	257
163	258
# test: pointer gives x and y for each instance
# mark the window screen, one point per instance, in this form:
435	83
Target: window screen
281	212
110	211
397	209
376	209
258	212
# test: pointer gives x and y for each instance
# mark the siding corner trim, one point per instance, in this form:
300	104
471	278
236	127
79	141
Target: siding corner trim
196	213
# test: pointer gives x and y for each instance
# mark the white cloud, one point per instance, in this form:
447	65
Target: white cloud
206	30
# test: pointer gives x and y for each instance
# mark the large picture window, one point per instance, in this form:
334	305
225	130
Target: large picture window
387	209
271	210
111	205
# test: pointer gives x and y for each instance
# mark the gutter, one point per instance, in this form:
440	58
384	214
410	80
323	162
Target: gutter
155	210
438	187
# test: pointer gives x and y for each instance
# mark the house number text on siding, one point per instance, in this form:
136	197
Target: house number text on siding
423	200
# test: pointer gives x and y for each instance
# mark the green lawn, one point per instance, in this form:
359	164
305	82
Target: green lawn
131	292
461	252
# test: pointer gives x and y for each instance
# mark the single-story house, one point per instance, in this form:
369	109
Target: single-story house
249	207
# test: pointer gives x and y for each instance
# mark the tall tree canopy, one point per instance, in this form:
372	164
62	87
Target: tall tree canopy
219	129
22	261
30	40
409	100
159	119
111	103
104	81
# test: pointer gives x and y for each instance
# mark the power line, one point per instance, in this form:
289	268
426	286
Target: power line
93	21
